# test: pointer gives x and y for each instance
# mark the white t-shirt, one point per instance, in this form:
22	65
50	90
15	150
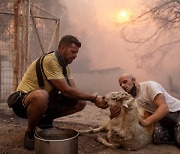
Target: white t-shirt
147	92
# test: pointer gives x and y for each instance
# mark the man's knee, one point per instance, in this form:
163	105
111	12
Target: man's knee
39	98
163	135
41	95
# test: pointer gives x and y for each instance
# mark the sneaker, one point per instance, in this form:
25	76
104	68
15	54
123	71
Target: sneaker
28	142
45	123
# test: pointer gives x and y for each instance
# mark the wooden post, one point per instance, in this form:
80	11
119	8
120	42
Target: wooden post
16	52
27	20
23	8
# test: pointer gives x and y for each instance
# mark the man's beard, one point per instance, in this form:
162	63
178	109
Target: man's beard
133	91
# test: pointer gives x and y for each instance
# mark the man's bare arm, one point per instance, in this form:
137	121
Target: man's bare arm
74	93
162	110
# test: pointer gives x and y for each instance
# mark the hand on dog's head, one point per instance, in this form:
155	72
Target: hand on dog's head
117	101
113	97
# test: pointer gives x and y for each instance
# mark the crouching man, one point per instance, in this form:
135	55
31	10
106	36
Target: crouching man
47	90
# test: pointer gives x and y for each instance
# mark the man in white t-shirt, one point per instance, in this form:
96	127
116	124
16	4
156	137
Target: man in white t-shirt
165	108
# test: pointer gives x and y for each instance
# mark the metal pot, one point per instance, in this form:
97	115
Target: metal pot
56	141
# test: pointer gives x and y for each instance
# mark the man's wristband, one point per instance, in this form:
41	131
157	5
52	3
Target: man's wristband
94	99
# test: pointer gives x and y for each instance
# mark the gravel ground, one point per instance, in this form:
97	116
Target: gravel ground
12	131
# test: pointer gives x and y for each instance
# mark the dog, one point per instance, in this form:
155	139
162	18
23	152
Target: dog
124	131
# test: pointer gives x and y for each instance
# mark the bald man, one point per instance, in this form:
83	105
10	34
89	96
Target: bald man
164	108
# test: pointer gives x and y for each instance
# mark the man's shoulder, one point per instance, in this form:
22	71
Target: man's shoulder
50	59
149	83
151	86
50	56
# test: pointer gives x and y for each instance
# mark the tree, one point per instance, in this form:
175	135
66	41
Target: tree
157	27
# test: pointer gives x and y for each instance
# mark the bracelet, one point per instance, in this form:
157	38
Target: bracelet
94	99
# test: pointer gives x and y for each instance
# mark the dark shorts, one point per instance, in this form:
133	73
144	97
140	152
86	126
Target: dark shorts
57	103
15	101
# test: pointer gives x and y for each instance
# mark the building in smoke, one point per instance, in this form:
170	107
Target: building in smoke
100	81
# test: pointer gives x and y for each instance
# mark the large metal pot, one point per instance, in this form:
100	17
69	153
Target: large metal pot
56	141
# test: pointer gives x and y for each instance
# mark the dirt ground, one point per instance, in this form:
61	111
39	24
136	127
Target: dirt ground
12	131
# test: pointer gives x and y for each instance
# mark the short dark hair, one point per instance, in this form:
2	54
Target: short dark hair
67	40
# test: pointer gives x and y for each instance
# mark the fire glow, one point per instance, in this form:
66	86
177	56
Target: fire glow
122	16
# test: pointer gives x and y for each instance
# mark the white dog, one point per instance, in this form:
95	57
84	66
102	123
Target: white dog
124	131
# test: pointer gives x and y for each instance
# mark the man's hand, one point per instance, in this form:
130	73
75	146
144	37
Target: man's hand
115	111
143	123
100	103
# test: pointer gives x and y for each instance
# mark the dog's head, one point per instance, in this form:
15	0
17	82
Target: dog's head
122	98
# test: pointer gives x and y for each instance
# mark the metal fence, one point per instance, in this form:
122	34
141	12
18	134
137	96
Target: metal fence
26	32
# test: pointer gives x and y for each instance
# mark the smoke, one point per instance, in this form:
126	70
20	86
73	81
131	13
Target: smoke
92	22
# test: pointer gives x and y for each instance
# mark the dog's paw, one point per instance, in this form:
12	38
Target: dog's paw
107	143
101	139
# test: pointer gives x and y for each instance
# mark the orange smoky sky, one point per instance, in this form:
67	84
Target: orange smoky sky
94	23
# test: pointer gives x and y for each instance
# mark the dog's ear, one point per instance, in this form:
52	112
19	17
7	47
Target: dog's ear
127	103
